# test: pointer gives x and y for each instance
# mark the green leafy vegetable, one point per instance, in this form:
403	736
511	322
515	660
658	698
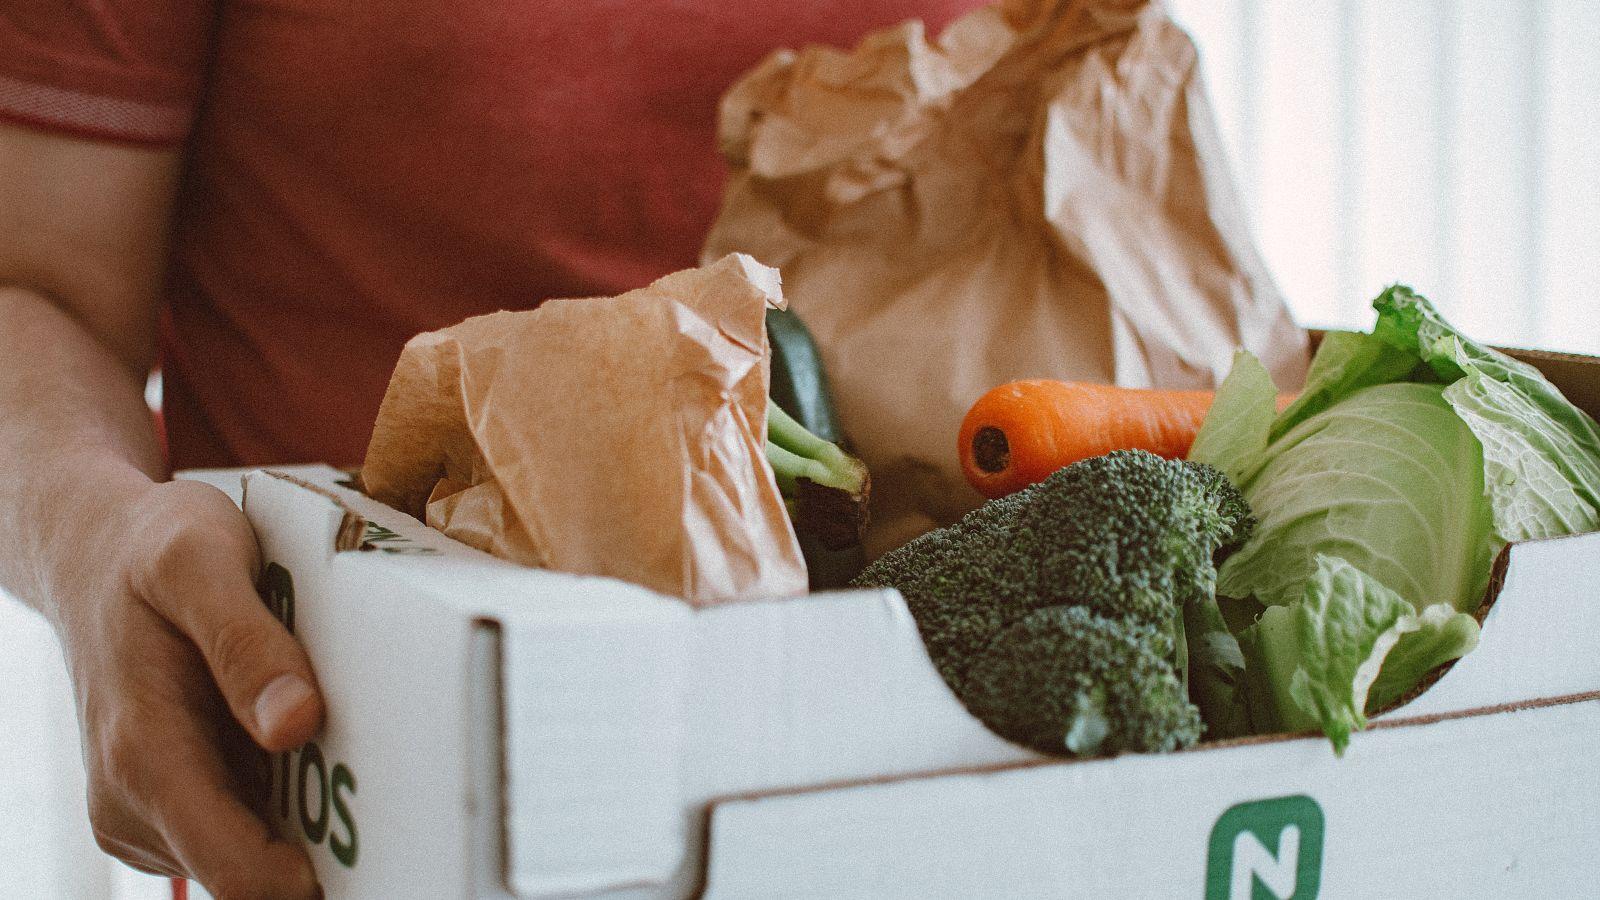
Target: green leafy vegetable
1389	479
1383	493
1324	654
1236	427
1542	454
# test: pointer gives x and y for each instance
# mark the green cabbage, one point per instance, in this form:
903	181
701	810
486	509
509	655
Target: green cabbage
1384	493
1349	645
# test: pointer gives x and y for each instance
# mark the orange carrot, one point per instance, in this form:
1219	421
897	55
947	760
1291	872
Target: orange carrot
1019	433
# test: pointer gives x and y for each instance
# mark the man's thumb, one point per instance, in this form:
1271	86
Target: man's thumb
198	575
260	669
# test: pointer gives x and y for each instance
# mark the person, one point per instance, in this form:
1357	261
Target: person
267	198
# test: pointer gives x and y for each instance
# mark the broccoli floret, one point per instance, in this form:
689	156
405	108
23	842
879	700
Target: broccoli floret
1065	679
1129	539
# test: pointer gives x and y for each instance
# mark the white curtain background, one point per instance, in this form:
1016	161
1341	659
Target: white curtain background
1453	145
1450	144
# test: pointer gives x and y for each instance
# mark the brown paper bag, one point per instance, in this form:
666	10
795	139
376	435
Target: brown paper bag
621	437
1041	192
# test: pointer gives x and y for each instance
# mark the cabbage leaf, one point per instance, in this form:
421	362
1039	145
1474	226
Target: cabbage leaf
1348	647
1389	479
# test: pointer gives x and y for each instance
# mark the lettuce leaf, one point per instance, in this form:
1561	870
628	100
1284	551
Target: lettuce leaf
1345	363
1442	634
1350	646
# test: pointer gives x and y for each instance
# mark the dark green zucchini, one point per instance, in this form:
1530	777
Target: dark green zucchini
800	388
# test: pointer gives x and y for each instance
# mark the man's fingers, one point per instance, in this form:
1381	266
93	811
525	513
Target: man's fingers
248	766
138	858
200	581
233	856
221	843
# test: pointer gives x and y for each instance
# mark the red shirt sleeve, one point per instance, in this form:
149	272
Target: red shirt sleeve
125	70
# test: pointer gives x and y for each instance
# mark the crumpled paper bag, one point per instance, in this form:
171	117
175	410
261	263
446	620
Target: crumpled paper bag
618	436
1040	192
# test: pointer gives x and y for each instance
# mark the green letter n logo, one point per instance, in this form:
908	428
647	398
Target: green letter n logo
1266	850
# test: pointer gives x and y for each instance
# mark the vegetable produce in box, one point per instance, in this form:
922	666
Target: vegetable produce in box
800	388
824	488
1020	432
1384	494
1058	614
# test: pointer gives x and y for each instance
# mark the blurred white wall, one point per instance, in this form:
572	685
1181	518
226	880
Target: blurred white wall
1450	144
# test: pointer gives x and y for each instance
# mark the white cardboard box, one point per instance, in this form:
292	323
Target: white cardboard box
498	731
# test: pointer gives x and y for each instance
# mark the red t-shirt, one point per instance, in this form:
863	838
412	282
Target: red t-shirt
362	171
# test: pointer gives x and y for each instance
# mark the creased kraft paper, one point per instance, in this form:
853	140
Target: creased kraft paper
616	436
1040	192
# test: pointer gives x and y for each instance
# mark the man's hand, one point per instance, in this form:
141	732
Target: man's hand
169	646
149	584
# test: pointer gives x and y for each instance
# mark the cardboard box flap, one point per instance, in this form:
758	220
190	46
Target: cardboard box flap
327	526
382	776
231	481
830	688
594	719
352	521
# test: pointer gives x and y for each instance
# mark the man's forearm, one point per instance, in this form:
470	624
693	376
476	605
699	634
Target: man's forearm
77	435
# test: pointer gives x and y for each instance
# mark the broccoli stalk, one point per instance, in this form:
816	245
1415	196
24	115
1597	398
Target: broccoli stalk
825	488
1057	614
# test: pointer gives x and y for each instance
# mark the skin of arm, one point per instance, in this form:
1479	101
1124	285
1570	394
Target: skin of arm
177	667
